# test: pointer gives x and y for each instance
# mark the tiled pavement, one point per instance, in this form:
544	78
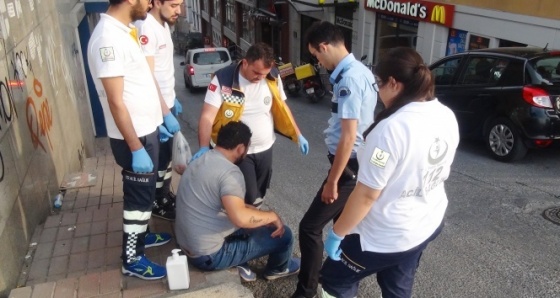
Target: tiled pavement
76	252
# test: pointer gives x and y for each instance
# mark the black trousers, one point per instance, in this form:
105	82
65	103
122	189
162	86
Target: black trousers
138	194
311	228
257	171
163	181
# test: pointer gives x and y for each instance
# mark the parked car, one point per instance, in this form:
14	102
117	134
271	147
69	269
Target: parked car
509	97
200	64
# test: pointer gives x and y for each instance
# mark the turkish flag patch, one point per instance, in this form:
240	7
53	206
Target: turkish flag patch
143	39
212	87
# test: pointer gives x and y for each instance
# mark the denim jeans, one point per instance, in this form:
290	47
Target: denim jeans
248	244
395	271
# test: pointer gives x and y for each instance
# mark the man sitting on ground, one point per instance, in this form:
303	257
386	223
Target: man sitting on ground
214	226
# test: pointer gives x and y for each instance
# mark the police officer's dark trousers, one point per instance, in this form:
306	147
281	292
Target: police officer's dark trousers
138	194
311	228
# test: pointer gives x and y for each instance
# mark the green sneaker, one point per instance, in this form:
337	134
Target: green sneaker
144	269
156	239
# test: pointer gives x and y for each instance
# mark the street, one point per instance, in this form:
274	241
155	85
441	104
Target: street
495	243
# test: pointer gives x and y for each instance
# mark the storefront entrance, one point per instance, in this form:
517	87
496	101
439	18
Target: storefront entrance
393	32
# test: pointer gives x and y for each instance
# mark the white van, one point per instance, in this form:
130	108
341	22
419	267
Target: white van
201	63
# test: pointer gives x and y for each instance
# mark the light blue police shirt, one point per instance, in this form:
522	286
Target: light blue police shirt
353	98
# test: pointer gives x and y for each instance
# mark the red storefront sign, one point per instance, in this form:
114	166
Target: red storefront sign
424	11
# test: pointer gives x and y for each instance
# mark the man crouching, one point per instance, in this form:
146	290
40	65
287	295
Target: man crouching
214	226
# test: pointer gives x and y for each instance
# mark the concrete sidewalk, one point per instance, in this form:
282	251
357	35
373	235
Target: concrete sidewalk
76	252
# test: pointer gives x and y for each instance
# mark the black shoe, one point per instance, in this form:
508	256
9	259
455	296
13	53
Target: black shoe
170	198
163	212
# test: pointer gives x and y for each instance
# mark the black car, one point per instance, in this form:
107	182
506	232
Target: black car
509	97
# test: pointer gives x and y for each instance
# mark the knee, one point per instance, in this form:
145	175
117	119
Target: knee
310	227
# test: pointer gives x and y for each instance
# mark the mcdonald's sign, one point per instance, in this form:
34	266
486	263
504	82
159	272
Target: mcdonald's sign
424	11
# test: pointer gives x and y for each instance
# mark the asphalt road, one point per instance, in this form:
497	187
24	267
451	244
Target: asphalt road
495	244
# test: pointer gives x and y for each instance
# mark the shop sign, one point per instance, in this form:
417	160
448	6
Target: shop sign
425	11
343	22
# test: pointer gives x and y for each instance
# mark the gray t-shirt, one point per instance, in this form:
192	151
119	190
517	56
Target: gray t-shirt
201	222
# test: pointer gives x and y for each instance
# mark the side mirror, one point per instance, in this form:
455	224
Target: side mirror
182	63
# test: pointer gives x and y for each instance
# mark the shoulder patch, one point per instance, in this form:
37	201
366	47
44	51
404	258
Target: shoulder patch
343	92
379	158
143	40
212	87
107	54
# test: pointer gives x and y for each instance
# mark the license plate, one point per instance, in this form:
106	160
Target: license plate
310	91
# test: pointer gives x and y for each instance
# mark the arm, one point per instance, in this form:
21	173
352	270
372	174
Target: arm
114	88
359	203
164	108
243	216
207	117
343	152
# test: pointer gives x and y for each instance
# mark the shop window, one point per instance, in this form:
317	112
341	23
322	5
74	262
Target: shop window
394	32
478	42
508	43
248	32
216	13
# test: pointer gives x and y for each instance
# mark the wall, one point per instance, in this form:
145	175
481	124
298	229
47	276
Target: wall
43	97
537	8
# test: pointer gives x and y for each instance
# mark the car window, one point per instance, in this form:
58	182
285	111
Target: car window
513	74
548	69
444	72
483	70
208	58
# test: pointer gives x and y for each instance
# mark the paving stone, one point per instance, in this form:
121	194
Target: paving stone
65	232
110	281
88	285
39	269
113	256
107	191
21	292
97	242
148	288
55	278
80	202
83	229
115	225
66	288
52	221
106	199
99	215
93	201
36	281
62	248
78	262
43	290
96	259
115	212
69	219
114	239
99	227
80	244
43	251
48	235
84	217
58	265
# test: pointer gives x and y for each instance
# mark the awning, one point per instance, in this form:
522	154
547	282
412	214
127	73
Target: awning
302	7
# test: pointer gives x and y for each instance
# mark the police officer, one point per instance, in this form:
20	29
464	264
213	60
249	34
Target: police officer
353	105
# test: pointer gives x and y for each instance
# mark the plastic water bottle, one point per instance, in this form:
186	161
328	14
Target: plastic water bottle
177	271
58	200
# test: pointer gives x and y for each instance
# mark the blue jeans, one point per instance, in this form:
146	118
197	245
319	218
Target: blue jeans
248	244
395	271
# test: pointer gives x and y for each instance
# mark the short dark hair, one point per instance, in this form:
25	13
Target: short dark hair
232	134
405	65
323	32
259	51
115	2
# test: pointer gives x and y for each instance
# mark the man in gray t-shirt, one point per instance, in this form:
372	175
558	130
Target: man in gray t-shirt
214	226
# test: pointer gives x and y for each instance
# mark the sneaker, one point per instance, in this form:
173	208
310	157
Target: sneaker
171	198
144	269
156	239
246	273
293	268
167	213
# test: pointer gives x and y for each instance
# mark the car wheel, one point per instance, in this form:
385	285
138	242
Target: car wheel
504	141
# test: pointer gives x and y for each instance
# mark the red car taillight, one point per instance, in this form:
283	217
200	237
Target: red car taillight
191	70
537	97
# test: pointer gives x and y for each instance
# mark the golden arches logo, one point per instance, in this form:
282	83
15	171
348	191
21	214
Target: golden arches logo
438	14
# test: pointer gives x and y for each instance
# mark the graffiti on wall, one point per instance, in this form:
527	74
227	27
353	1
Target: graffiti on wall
39	117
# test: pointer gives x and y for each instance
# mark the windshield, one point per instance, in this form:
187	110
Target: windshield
547	70
207	58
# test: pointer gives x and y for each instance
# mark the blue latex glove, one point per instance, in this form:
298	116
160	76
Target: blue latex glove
171	123
177	107
200	152
303	145
141	161
164	134
332	245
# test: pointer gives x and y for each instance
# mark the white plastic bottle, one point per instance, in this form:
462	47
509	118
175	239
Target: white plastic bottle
58	200
177	271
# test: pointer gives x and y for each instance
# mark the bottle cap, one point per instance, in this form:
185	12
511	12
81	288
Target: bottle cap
175	253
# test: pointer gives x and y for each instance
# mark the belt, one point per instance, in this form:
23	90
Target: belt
350	170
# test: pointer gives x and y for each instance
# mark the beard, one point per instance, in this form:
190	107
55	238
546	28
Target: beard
170	21
138	12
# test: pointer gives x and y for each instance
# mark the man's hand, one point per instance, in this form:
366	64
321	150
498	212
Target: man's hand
171	123
177	107
200	152
303	145
332	245
279	232
330	192
141	161
164	134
